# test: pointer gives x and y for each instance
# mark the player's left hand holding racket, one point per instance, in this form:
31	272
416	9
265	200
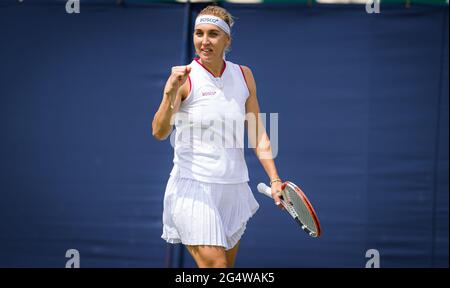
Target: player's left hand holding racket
297	205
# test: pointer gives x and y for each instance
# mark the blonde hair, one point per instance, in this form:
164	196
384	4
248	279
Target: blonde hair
221	13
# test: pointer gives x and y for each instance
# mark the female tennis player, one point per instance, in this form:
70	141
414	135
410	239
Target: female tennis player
208	201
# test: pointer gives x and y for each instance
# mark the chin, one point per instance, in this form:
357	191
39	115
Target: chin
208	59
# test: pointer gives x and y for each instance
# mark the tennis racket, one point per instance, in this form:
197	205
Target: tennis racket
297	205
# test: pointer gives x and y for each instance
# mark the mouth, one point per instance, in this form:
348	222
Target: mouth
206	51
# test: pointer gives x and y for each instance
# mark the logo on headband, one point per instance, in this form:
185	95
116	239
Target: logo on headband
211	20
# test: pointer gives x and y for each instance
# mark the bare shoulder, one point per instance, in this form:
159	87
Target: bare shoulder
247	71
249	77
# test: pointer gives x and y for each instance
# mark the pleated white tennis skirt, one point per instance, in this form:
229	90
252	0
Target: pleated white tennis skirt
200	213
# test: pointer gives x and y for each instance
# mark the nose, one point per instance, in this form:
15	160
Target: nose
205	40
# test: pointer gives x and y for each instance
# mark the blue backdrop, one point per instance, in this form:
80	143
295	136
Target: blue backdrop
365	96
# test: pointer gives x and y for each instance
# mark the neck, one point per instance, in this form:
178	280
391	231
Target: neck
214	66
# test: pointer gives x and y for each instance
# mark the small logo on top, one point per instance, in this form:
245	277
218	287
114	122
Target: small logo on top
209	93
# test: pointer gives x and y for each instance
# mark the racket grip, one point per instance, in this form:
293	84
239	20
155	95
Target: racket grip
264	189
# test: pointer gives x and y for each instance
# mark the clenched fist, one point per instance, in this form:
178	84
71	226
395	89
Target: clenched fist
178	77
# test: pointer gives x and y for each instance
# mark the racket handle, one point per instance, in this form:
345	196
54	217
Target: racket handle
264	189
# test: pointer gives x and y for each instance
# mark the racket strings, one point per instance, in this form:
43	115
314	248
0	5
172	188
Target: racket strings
302	210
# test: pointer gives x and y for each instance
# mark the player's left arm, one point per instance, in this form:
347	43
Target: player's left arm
257	133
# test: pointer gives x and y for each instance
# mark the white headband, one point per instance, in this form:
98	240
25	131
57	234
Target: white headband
210	19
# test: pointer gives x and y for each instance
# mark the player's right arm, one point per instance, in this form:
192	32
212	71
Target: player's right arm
175	90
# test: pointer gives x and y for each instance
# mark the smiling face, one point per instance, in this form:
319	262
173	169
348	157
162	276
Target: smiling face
210	42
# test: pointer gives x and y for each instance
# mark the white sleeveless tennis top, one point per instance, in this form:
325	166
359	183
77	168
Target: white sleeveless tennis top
209	138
